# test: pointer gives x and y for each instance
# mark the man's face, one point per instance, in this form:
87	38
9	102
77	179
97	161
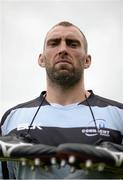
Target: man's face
64	55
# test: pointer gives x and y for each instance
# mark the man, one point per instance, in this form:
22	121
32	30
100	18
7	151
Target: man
66	112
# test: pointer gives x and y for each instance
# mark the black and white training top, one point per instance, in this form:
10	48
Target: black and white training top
55	124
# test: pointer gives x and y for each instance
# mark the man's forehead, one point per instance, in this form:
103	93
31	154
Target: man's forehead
59	31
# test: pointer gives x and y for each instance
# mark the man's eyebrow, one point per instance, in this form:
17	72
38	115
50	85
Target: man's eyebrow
66	39
53	39
73	39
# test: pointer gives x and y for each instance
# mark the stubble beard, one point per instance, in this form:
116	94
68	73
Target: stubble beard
64	77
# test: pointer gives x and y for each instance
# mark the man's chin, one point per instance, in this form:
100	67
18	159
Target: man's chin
63	67
63	73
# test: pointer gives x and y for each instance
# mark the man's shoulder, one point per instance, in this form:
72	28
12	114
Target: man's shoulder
35	102
104	101
31	103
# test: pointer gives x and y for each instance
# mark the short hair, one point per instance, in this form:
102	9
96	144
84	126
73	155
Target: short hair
67	24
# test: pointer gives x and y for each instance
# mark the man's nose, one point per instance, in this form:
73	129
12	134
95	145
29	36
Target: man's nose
63	48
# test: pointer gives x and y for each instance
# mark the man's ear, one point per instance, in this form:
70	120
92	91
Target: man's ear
87	61
41	60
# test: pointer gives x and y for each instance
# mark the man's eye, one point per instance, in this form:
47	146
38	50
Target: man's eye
53	43
72	44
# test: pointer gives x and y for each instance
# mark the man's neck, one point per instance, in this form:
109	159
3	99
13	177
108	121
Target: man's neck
66	96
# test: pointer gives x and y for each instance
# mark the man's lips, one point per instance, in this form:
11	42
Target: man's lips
63	61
